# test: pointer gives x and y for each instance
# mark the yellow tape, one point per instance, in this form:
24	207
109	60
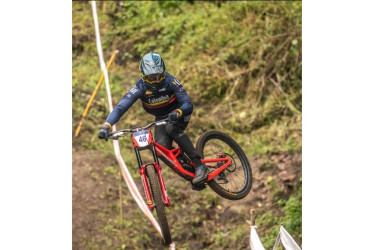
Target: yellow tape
94	93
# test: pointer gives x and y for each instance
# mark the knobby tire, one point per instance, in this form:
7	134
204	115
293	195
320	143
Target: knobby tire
159	203
204	143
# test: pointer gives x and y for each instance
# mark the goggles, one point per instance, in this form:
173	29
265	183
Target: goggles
153	79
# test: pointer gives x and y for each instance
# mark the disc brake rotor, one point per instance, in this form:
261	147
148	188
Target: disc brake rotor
232	166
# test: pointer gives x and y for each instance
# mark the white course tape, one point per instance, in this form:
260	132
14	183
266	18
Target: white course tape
126	175
172	246
254	240
287	241
101	57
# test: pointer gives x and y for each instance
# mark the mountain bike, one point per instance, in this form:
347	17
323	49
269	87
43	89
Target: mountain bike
230	174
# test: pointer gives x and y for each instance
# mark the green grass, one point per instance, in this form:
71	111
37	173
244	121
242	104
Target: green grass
290	216
240	64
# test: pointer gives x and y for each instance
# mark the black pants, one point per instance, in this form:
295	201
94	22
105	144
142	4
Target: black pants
165	134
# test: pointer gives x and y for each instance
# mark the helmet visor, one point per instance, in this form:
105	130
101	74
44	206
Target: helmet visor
153	79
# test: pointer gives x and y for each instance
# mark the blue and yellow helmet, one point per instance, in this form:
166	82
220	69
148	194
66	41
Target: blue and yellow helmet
152	69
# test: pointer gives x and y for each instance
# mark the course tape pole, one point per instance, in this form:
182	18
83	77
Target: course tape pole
126	175
94	94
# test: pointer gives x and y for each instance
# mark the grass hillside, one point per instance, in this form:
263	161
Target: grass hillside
240	63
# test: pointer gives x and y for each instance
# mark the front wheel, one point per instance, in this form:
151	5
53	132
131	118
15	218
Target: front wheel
159	203
235	182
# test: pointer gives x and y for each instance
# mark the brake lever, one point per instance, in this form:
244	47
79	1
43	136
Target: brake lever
115	136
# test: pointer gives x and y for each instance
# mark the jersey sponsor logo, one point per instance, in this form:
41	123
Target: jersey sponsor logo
148	92
161	90
159	102
159	99
133	90
176	82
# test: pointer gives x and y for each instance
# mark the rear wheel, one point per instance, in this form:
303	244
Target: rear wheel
235	182
159	203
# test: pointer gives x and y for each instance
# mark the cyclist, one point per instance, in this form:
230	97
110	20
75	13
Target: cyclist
163	96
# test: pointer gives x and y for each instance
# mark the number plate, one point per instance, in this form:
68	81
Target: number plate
142	137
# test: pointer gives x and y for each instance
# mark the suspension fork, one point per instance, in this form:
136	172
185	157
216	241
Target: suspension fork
148	195
142	171
162	184
146	188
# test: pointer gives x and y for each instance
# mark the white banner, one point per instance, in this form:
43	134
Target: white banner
287	241
254	240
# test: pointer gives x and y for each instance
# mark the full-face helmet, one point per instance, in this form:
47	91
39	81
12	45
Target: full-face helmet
152	69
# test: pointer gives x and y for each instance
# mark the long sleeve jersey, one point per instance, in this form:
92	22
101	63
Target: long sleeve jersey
171	96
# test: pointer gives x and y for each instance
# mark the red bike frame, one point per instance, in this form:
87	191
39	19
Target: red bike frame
171	156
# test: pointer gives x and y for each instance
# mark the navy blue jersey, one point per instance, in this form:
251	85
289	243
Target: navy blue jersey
169	97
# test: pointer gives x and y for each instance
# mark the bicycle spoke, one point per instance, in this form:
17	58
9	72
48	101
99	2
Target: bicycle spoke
236	179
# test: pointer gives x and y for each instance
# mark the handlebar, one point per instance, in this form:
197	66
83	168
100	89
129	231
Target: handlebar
116	134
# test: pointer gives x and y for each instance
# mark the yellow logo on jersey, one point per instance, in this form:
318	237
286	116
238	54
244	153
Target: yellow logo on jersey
148	92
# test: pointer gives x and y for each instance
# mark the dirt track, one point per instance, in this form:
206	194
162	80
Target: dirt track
94	191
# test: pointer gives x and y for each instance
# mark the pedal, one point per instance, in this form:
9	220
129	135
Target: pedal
199	187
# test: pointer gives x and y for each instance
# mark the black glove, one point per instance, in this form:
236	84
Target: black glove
103	134
174	116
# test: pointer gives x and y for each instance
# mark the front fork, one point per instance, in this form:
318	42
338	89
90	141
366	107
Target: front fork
148	195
